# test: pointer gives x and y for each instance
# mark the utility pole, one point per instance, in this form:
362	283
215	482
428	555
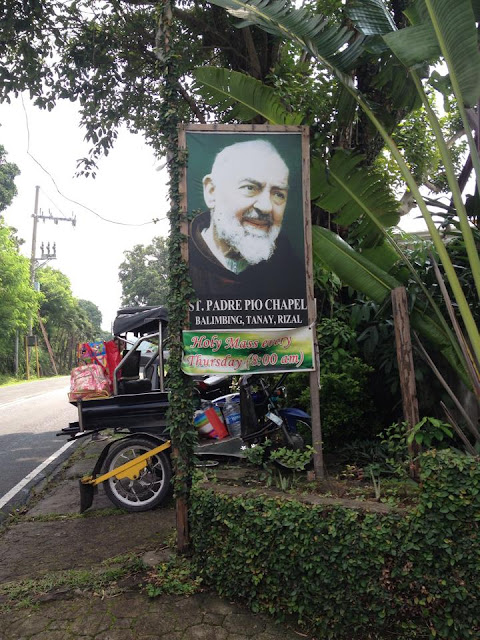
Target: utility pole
34	249
35	263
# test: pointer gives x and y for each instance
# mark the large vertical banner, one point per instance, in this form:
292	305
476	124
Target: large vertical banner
247	249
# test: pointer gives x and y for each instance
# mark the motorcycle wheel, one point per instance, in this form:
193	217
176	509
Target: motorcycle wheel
153	483
301	437
304	429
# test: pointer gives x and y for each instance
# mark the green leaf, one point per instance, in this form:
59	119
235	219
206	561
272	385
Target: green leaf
457	36
414	45
383	256
337	46
351	191
351	267
249	97
476	9
371	17
451	34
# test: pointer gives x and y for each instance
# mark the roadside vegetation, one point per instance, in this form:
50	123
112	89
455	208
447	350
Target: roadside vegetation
390	91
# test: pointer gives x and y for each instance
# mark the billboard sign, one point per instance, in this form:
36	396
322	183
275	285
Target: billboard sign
247	244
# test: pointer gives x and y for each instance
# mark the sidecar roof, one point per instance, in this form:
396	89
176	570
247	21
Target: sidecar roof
139	320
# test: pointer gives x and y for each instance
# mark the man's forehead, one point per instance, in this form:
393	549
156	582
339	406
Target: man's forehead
253	163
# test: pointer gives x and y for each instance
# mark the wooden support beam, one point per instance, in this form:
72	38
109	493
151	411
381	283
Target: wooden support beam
47	342
406	369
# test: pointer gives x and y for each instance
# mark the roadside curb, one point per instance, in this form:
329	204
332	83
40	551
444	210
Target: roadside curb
38	483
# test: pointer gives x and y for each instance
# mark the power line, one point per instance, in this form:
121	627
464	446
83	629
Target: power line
80	204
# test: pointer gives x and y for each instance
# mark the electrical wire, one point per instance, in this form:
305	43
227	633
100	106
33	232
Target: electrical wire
123	224
53	202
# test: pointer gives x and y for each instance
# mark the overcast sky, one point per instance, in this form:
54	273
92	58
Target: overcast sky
128	189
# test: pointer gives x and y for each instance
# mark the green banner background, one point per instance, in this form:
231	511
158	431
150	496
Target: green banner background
240	352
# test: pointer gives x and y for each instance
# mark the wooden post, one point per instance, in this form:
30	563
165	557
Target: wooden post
314	378
317	440
27	360
49	348
183	532
406	370
16	360
36	357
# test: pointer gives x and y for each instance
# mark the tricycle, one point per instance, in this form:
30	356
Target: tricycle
135	465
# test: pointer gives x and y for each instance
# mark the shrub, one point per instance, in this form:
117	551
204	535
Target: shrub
341	571
346	404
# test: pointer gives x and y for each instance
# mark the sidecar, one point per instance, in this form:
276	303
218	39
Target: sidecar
135	464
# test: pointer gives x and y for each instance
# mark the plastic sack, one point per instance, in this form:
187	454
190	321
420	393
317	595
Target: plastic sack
89	381
209	423
113	357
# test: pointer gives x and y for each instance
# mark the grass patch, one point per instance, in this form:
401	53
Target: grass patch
8	381
101	579
60	517
174	577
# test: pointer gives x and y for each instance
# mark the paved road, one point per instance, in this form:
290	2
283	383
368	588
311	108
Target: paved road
30	415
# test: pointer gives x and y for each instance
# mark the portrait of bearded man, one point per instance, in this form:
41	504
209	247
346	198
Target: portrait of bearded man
237	248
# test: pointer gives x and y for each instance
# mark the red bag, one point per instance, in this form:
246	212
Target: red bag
113	358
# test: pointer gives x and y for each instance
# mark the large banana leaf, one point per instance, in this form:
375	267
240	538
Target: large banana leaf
351	267
338	47
247	96
452	34
383	255
370	17
357	271
351	191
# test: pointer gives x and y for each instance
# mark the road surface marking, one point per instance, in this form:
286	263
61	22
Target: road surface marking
18	487
20	400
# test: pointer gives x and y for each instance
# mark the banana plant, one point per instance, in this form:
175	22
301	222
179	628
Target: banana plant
352	192
370	276
437	32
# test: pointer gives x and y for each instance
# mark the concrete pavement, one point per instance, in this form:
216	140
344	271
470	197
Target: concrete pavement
66	577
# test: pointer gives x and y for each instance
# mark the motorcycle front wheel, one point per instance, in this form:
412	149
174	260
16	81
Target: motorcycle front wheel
304	429
151	486
300	436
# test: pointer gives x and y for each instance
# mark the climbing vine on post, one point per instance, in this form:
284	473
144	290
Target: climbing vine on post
180	412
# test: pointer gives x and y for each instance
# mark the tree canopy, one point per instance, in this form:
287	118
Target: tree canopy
66	319
106	55
18	301
143	274
93	314
8	173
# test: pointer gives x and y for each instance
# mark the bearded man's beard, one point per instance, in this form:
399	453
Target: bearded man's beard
252	244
